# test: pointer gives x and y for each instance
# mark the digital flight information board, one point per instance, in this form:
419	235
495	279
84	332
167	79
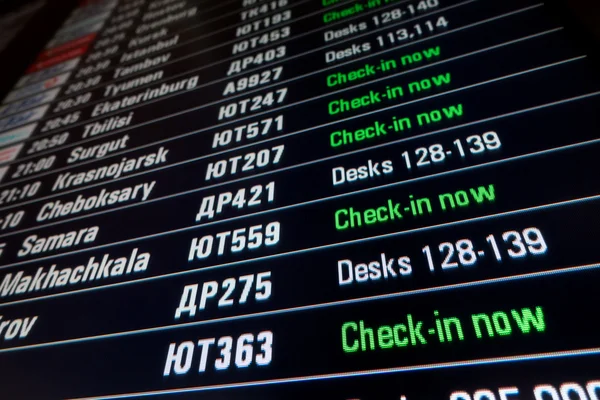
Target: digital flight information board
303	199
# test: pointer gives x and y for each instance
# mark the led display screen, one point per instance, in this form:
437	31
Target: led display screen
294	199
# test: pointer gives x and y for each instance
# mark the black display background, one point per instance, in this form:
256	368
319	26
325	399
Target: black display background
309	340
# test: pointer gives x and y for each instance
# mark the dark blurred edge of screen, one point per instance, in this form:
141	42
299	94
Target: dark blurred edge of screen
29	42
40	28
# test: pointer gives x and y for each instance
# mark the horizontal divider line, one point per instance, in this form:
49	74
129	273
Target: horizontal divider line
225	151
435	289
370	372
306	250
283	41
208	21
350	193
283	169
101	33
287	58
196	38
